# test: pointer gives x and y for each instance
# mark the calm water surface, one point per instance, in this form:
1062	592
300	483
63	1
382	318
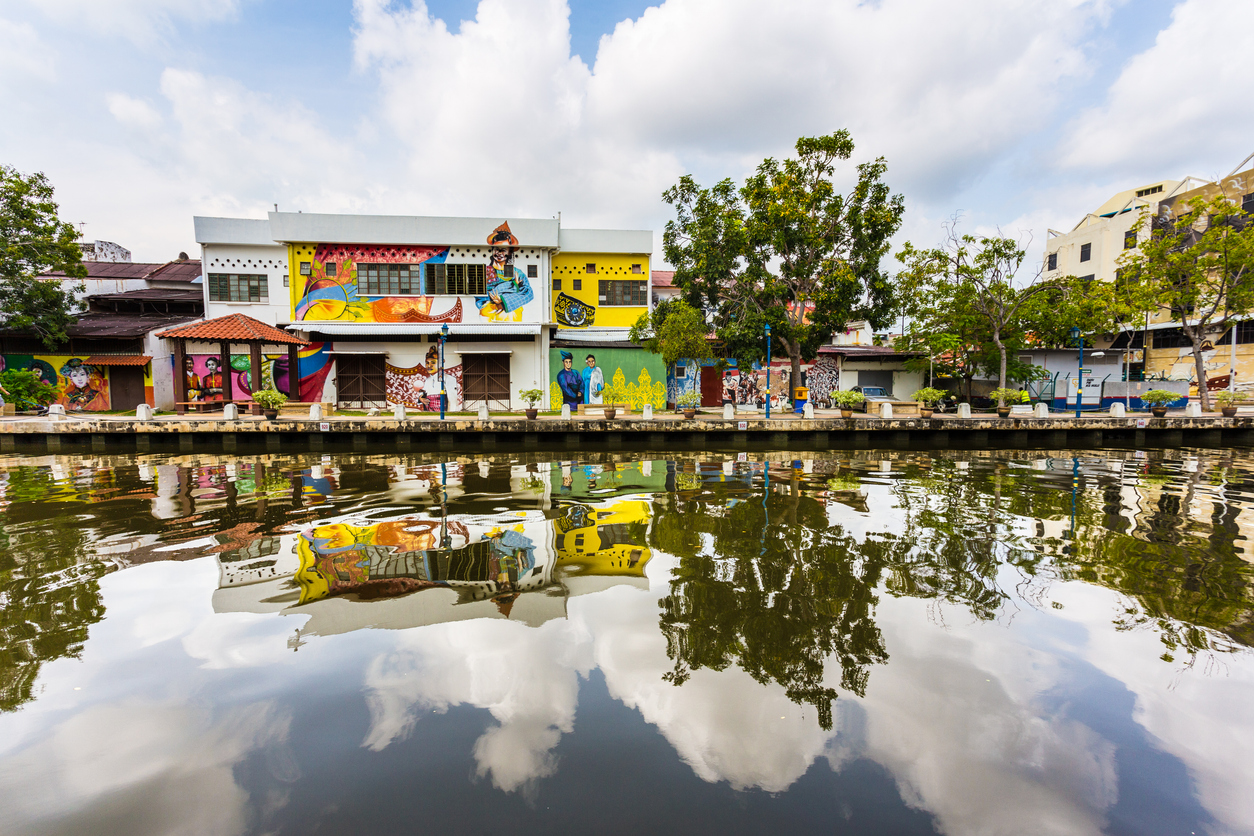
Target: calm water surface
1019	642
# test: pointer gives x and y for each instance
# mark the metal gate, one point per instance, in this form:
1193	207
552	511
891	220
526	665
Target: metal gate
485	377
361	381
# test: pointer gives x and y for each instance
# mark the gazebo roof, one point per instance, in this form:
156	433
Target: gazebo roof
235	328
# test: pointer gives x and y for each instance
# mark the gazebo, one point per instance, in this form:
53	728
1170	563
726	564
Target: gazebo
226	330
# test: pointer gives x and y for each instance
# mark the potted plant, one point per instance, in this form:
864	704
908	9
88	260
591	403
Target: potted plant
1157	400
270	401
1005	397
532	397
610	411
1228	403
928	398
846	400
688	402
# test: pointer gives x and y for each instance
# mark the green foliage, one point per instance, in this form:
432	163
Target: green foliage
929	396
1227	397
674	329
847	398
1160	397
34	241
269	399
786	249
1005	396
26	389
689	400
531	396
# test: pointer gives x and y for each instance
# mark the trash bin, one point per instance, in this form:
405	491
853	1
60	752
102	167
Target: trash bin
800	395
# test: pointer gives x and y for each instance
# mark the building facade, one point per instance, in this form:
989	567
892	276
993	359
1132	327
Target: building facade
374	294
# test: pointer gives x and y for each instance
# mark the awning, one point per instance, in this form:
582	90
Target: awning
117	360
408	329
593	335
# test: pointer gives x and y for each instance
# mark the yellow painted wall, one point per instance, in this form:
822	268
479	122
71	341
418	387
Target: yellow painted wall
296	253
571	266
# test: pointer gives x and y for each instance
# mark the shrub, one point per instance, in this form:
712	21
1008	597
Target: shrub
847	398
1159	397
1005	397
928	396
269	399
1227	397
26	389
689	400
531	396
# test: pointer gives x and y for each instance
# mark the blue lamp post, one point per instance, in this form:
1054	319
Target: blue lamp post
768	371
443	391
1079	388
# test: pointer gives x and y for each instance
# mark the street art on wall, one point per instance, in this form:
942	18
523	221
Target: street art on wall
508	289
80	387
584	377
749	389
418	387
572	313
206	377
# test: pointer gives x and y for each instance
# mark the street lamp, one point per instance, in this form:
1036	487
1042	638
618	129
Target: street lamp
443	392
768	371
1078	338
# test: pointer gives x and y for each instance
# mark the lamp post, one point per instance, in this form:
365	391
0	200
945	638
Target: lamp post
1079	388
443	391
768	371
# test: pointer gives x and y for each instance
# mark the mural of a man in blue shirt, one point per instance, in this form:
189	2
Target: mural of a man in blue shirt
570	381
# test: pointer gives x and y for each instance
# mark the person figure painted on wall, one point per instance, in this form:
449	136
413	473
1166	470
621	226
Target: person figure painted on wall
507	287
593	381
431	385
211	383
569	381
82	392
194	387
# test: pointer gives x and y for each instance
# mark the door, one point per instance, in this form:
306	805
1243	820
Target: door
877	378
485	377
361	381
711	386
126	387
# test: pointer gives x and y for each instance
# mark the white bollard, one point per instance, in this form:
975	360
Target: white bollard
1040	410
315	412
230	412
1193	410
647	412
143	412
1117	410
807	411
964	410
565	412
483	411
398	411
56	411
729	412
886	410
646	468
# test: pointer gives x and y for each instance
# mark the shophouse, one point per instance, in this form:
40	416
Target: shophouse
387	303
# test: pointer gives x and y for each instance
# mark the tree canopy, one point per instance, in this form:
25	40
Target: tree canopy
674	329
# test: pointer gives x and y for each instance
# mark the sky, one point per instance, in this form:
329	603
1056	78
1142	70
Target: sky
1015	115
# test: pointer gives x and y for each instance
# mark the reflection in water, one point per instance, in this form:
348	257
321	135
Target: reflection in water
965	624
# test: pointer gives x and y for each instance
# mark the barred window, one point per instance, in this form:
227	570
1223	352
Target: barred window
388	280
533	271
623	292
1053	262
1129	240
1086	252
456	280
238	287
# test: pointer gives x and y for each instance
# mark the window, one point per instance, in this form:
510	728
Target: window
306	268
1129	339
1150	190
635	268
455	280
1086	252
331	267
533	271
1053	262
590	268
1247	204
285	281
622	292
578	284
236	287
388	279
1088	279
1173	338
557	284
1129	240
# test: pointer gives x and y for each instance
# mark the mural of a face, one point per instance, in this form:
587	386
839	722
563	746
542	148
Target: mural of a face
433	360
80	377
211	364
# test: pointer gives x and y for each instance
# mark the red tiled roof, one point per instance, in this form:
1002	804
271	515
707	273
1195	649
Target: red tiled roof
662	278
118	360
236	328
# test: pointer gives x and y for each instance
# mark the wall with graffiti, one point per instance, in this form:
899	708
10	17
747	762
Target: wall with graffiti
206	377
749	389
80	387
614	375
418	386
390	283
577	300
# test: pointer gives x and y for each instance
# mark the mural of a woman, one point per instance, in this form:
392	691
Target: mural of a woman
570	381
85	387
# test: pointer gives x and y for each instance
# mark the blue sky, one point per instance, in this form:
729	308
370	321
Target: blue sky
1018	114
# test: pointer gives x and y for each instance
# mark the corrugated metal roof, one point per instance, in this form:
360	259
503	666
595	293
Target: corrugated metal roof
662	278
381	329
170	271
875	351
109	324
233	328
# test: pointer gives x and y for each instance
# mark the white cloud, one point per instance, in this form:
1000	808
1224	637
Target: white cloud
134	113
137	20
1180	107
25	55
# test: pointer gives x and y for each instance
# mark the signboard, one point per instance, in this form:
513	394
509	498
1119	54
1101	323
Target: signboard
1142	423
324	427
742	425
742	457
1086	371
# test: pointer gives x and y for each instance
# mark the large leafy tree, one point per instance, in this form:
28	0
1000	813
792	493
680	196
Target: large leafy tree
787	248
674	329
34	241
1197	269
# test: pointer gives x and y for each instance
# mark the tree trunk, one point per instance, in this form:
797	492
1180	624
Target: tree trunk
1001	372
794	354
1200	365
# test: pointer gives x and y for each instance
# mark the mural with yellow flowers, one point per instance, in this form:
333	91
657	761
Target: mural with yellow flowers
606	376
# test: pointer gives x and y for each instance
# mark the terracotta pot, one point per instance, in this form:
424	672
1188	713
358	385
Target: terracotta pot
925	412
690	413
1228	411
1158	411
1003	412
846	413
531	414
271	414
610	413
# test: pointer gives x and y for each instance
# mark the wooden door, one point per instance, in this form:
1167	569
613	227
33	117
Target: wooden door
485	377
126	387
361	381
711	386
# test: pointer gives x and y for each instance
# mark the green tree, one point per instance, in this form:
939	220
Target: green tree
786	249
1197	269
26	388
674	329
34	241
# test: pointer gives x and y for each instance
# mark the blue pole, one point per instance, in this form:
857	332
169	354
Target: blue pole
442	377
1079	391
768	371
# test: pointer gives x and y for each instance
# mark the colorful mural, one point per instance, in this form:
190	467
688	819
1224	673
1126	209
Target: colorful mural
581	301
508	289
205	375
583	377
749	389
418	387
80	387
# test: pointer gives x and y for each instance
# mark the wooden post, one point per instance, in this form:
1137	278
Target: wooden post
180	375
293	373
254	375
227	394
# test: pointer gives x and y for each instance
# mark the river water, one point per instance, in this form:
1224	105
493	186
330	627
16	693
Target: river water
874	642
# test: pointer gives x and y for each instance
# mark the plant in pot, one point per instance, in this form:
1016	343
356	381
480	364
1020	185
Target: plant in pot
846	400
270	401
688	402
1006	397
532	397
1157	400
928	398
1228	402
